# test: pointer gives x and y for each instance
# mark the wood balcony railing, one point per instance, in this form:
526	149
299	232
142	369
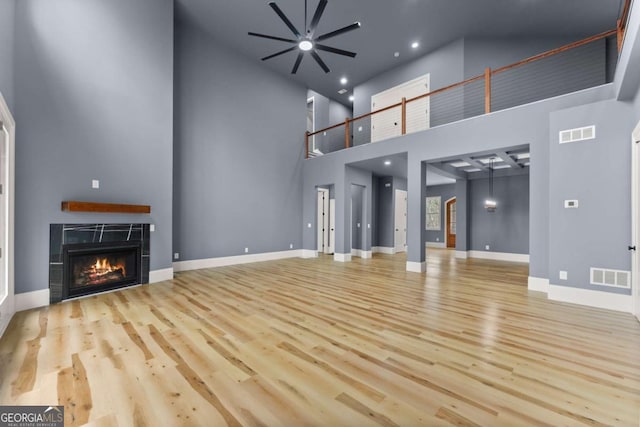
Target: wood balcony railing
477	95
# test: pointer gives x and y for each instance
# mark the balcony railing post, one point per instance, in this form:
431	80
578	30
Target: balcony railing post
487	90
404	115
620	34
306	144
347	133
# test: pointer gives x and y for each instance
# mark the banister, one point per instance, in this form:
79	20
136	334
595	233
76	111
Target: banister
552	52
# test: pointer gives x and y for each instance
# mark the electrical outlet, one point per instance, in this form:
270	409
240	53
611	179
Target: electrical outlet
487	247
246	250
358	225
563	275
95	183
309	225
368	225
176	255
290	245
437	239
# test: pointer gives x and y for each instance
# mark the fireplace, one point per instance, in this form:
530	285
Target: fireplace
90	258
91	268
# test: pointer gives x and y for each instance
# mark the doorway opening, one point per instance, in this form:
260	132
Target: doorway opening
7	168
635	220
450	223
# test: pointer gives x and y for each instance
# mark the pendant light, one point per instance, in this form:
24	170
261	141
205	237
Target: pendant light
490	204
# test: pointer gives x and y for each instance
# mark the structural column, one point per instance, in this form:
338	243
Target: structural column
416	207
462	218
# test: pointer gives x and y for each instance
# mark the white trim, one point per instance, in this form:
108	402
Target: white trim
635	215
416	267
308	253
538	284
366	254
591	298
34	299
440	245
156	276
355	252
198	264
383	250
462	255
8	304
341	257
499	256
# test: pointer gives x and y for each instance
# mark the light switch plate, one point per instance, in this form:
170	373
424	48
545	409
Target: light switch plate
571	204
95	183
563	275
152	227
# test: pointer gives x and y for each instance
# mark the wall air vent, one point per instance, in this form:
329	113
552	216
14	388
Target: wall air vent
607	277
578	134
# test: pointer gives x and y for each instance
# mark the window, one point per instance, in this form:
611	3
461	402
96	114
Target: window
433	213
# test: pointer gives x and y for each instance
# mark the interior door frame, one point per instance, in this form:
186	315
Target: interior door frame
446	221
322	223
399	248
635	219
7	305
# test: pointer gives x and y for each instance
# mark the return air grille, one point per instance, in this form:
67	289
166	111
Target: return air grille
615	278
578	134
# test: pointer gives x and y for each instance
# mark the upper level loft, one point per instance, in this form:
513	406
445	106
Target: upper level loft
424	102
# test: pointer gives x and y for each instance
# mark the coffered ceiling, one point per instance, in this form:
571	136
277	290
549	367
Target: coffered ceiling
388	26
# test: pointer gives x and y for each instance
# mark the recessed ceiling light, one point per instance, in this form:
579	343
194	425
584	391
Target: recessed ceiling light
396	54
415	45
343	81
351	98
387	162
305	45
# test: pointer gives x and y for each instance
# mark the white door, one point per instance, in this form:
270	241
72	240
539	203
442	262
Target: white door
332	227
635	221
323	220
400	235
7	138
388	124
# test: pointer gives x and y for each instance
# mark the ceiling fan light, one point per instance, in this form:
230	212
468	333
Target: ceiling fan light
305	45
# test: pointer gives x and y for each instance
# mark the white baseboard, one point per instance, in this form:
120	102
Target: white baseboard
29	300
198	264
342	257
308	253
441	245
366	254
591	298
417	267
499	256
355	252
383	250
156	276
462	254
4	322
538	284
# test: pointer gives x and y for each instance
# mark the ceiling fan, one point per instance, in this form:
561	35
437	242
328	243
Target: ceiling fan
308	42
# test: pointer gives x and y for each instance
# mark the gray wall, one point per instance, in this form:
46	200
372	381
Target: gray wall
524	125
7	19
445	192
239	151
506	229
445	66
93	100
597	173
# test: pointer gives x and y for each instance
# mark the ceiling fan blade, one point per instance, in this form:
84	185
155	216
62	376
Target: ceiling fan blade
297	64
334	50
284	18
317	15
320	61
279	53
343	30
265	36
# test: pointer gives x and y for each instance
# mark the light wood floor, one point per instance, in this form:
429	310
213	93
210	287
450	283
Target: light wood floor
313	342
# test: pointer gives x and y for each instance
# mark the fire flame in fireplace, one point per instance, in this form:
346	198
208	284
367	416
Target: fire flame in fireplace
103	266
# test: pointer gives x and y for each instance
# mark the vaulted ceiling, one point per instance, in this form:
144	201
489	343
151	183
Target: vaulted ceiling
388	26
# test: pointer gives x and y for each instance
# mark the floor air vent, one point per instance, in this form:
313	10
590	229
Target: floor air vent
615	278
